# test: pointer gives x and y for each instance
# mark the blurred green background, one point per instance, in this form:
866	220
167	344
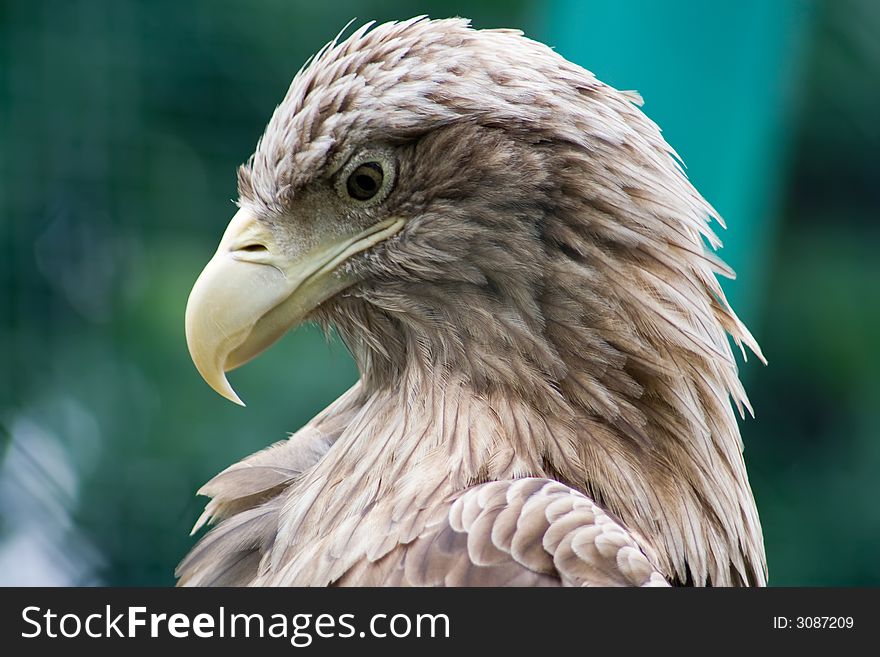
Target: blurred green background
122	123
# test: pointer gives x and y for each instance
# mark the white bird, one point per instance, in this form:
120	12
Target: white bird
518	264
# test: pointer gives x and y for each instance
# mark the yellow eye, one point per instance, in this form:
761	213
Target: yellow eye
365	181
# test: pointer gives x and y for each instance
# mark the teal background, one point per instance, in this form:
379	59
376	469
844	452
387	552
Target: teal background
122	123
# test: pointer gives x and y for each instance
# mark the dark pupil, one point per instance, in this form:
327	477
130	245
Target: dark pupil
364	182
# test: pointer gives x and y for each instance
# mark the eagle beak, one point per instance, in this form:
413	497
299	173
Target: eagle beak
250	293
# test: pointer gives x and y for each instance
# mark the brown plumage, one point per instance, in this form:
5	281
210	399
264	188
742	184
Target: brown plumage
518	266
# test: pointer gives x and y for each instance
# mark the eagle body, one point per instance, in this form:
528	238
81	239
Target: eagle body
518	265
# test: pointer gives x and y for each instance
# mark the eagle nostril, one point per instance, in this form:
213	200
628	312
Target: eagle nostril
253	248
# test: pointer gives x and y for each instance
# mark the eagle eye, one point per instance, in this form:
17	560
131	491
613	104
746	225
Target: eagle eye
368	176
365	181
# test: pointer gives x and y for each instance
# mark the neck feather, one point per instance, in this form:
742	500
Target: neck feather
592	349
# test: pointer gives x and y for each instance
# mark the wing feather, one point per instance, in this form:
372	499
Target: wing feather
524	532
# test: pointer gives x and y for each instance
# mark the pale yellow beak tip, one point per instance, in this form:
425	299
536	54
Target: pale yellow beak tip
233	397
221	386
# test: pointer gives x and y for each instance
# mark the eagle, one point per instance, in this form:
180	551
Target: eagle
526	280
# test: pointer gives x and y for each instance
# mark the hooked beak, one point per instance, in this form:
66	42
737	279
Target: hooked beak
250	294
